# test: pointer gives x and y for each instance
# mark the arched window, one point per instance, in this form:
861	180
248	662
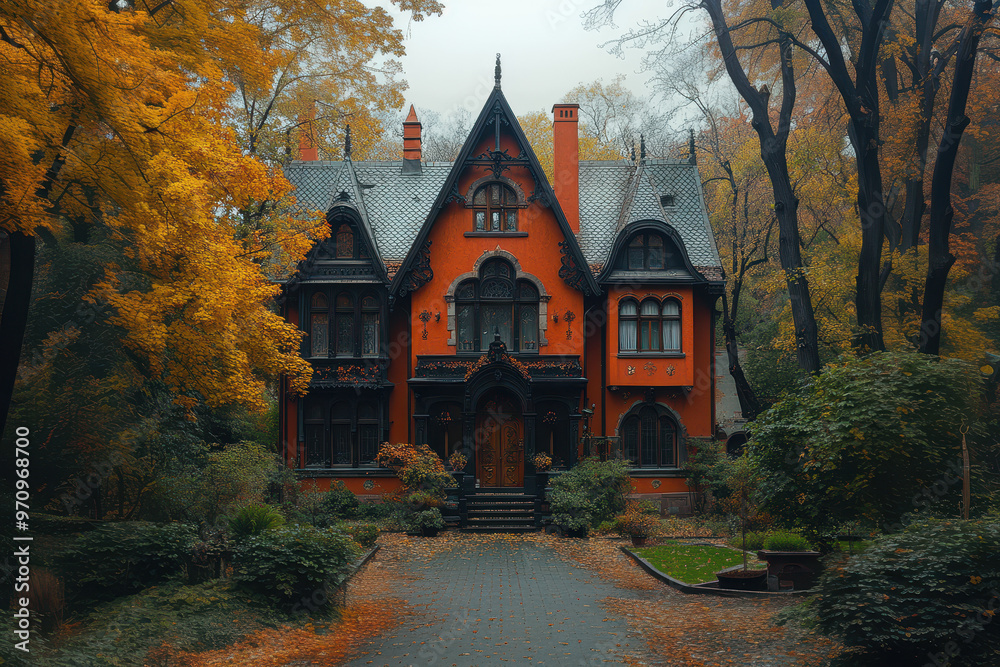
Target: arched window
649	327
319	326
628	315
672	325
496	302
649	438
345	242
495	208
649	251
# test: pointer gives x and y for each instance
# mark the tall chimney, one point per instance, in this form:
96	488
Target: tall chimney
566	161
307	141
411	143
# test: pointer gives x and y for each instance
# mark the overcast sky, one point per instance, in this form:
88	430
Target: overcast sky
544	49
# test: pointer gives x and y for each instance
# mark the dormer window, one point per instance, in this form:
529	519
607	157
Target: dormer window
345	242
668	201
494	209
649	251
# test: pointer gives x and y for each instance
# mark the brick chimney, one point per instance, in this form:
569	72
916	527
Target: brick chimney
566	161
411	143
307	141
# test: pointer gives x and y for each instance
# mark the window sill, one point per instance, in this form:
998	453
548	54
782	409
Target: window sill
655	355
474	235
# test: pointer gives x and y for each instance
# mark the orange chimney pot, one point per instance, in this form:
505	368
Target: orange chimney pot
566	161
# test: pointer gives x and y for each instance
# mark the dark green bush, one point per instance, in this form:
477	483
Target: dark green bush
254	520
931	589
755	541
365	534
429	518
293	562
121	558
340	502
785	542
590	493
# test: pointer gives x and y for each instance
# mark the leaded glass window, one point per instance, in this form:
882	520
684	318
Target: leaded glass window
345	325
495	208
649	438
345	242
367	433
319	326
340	428
317	452
496	302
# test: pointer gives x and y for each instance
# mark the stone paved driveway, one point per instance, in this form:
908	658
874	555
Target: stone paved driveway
510	601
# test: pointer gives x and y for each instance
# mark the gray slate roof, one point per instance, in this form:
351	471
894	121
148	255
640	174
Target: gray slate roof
613	194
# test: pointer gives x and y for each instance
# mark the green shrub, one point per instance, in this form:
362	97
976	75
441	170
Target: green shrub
786	542
755	541
590	493
293	562
340	502
121	558
429	518
912	594
254	520
365	534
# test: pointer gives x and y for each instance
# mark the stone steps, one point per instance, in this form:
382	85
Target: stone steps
500	511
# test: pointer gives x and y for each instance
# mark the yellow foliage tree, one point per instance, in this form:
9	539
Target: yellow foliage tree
122	115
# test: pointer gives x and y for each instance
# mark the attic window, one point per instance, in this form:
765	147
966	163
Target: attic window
667	201
649	251
495	209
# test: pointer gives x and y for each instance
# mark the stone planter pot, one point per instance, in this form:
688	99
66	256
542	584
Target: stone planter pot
429	532
743	580
638	541
802	568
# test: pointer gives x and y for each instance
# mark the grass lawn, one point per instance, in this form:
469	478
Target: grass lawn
692	563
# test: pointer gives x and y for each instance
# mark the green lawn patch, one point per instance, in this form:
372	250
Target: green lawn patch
692	563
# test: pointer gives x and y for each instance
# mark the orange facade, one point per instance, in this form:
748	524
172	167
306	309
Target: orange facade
473	306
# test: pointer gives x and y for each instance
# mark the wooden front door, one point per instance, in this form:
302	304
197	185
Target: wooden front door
499	441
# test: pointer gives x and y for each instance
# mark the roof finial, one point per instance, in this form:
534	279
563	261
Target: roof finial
642	147
496	73
347	143
691	156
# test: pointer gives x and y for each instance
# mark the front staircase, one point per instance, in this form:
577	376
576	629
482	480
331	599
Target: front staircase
502	510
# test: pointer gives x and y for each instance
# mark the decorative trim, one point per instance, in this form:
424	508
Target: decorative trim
570	271
420	273
476	184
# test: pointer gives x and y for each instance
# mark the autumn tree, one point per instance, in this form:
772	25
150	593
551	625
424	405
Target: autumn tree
122	115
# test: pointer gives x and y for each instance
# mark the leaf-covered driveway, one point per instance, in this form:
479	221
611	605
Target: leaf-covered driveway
536	599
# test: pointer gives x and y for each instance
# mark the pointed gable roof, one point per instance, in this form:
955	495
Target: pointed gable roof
575	266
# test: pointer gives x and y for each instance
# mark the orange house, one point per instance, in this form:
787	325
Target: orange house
474	306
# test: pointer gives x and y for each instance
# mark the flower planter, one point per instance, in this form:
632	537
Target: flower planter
799	567
576	532
429	532
638	541
743	580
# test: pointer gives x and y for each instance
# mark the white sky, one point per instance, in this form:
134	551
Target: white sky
544	50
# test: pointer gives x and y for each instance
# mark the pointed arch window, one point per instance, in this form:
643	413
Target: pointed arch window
497	302
494	208
649	438
345	242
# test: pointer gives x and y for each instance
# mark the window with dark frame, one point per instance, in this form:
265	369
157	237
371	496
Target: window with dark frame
494	209
353	327
652	326
649	251
649	439
496	301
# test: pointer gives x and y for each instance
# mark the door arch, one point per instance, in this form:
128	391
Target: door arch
499	440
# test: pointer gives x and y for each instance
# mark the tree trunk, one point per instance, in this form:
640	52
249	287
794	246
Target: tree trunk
14	319
749	405
772	151
939	257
